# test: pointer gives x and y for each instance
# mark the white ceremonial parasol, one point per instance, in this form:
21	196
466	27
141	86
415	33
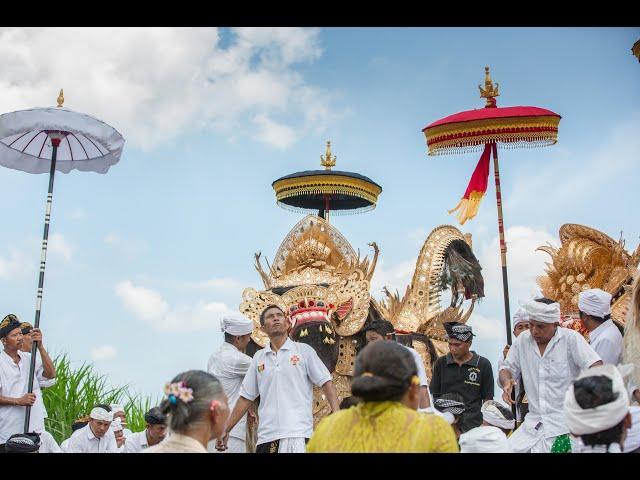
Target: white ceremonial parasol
41	140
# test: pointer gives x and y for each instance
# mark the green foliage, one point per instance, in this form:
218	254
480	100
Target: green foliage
77	391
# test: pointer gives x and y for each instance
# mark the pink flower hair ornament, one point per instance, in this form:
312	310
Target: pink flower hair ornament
178	390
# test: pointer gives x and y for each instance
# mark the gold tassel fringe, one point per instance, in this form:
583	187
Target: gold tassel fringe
468	208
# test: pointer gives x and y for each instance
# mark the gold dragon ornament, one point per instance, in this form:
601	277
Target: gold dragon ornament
324	287
588	258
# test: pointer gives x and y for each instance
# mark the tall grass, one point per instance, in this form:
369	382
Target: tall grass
77	391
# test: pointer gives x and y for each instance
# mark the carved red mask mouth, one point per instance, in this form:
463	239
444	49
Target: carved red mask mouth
308	311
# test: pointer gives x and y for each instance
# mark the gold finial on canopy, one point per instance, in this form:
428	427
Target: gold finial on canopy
327	160
489	91
60	98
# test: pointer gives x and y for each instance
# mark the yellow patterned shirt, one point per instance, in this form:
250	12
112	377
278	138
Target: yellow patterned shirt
382	427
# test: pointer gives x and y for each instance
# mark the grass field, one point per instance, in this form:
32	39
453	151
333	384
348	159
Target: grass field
78	390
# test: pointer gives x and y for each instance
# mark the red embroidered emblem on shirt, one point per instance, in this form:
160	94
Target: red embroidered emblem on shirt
294	359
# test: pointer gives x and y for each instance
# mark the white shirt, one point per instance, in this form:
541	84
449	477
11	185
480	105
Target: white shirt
284	381
84	441
230	365
14	380
136	442
547	378
606	340
422	373
48	444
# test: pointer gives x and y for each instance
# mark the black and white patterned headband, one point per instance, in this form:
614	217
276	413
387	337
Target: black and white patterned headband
460	332
451	406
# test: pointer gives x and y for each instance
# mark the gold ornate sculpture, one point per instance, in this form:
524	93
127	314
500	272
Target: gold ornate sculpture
324	286
588	258
60	98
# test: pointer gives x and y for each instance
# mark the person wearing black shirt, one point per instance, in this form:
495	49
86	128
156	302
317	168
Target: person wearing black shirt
464	372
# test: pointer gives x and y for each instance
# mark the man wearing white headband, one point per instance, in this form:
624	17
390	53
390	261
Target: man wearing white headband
604	337
520	324
597	409
230	364
548	359
96	436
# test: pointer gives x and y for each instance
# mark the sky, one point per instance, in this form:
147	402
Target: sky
144	260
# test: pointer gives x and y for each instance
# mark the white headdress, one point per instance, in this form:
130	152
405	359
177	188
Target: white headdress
541	312
520	316
595	302
484	440
492	415
99	413
236	324
592	420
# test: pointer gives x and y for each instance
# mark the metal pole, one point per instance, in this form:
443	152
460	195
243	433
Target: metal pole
327	205
55	142
503	259
503	244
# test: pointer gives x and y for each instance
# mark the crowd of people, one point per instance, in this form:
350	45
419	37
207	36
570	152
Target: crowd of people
560	393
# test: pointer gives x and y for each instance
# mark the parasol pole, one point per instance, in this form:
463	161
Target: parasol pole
55	142
503	258
503	244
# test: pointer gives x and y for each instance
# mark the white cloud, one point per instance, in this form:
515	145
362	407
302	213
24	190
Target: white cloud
485	328
150	307
152	84
15	264
59	246
524	263
571	177
103	352
219	283
397	277
276	134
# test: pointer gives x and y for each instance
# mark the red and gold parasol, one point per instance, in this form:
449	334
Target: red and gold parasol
483	129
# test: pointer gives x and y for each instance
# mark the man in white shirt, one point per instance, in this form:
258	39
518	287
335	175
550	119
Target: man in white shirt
230	364
96	437
604	336
14	380
548	358
153	434
48	444
282	374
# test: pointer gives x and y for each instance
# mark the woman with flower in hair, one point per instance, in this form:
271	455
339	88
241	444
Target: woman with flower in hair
197	411
386	420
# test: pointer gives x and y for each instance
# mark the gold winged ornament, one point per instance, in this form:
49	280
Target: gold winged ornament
588	258
323	285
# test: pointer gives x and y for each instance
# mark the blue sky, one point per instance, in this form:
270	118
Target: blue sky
143	260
